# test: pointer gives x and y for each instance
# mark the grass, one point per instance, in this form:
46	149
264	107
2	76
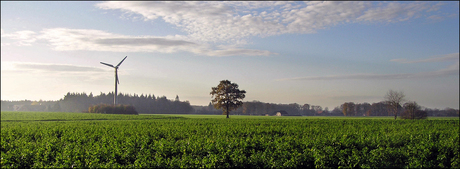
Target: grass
83	140
63	116
289	117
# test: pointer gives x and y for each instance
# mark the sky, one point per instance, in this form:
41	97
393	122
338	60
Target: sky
317	53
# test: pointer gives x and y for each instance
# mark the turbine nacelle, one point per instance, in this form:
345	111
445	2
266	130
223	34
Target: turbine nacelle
116	68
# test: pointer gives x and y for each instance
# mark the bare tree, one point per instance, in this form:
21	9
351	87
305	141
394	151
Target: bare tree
394	100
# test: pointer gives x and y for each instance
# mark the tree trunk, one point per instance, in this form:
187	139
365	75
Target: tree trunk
396	114
226	110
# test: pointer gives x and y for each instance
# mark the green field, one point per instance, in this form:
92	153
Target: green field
291	117
66	140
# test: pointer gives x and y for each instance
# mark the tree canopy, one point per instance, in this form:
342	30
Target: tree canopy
227	96
413	111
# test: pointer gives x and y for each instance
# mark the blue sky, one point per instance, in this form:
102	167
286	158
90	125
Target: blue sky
320	53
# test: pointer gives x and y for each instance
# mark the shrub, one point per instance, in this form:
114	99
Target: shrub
112	109
412	111
418	114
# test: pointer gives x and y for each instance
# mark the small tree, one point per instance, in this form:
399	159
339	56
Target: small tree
227	96
177	99
394	100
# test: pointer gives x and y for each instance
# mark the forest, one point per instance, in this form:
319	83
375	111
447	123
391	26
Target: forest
151	104
80	102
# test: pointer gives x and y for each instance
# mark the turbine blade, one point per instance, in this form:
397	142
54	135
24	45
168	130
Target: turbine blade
118	81
121	61
107	64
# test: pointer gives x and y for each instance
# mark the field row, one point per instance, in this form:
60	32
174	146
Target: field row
231	143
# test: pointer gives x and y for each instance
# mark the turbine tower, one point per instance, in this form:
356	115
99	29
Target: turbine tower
116	79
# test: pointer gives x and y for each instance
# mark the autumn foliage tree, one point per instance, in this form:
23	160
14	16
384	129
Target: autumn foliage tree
227	96
348	109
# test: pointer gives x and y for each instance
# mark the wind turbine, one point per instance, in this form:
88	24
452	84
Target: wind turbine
116	79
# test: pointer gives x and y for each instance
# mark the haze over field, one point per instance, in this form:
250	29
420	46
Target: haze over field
320	53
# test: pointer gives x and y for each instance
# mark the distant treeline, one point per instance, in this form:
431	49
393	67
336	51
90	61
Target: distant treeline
80	102
294	109
149	104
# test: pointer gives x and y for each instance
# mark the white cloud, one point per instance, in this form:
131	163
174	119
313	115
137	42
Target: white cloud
226	23
319	15
436	17
232	21
233	51
24	38
396	12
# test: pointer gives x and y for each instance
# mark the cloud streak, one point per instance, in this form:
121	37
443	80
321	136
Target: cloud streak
57	68
55	71
448	57
452	70
355	97
44	67
63	39
433	74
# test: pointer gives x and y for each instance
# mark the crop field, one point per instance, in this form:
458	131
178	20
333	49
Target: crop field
69	140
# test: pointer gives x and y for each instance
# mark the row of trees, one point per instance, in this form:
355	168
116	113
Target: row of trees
227	97
144	104
385	109
252	108
392	106
149	104
293	109
346	109
80	102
